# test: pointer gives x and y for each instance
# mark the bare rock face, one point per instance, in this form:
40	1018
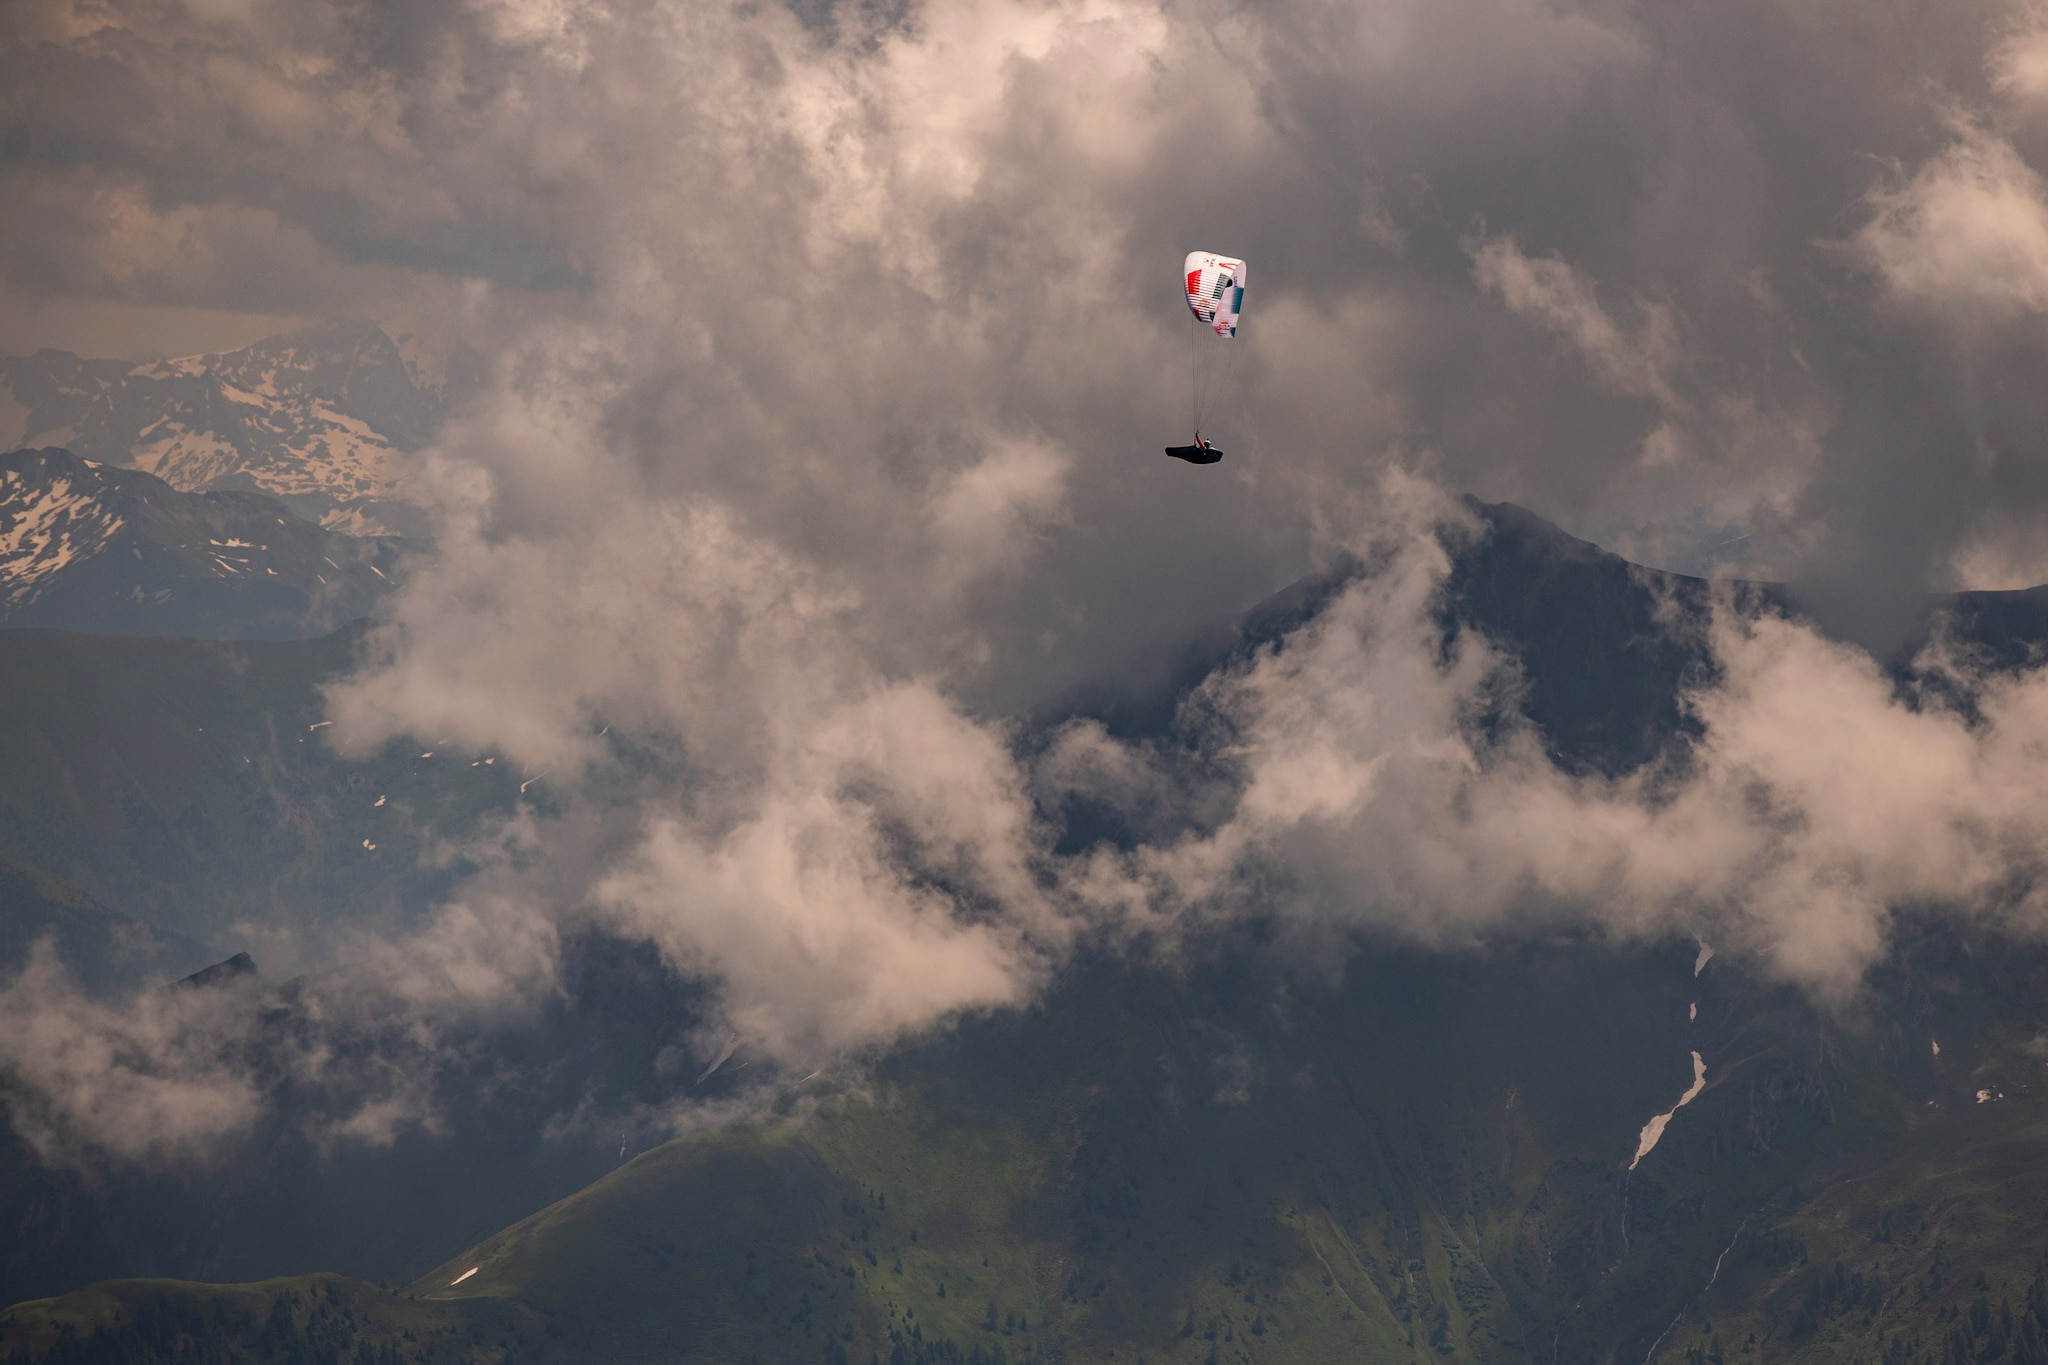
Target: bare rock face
224	973
326	419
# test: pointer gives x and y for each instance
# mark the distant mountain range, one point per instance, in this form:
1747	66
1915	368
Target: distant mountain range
89	546
326	419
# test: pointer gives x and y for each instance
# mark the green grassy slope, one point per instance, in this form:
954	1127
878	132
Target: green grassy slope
298	1321
1424	1162
1424	1165
1427	1164
1932	1251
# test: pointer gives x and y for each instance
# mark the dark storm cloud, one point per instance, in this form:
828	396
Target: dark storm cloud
845	440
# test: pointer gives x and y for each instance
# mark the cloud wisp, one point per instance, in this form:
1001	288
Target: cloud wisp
1815	801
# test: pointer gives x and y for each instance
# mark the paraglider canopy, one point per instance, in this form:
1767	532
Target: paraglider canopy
1214	285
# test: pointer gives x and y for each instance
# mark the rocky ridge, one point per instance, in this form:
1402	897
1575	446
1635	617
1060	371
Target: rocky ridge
327	419
88	546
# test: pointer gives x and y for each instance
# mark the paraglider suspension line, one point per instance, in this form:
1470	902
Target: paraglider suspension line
1213	363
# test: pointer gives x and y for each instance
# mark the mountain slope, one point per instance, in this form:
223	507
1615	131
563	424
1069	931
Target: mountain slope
526	1110
86	546
1426	1161
324	419
184	782
1279	1169
1421	1157
312	1318
107	951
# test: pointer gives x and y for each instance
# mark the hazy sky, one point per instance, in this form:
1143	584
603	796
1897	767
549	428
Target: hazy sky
832	351
1667	272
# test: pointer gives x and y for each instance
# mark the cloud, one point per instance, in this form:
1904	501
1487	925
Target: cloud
882	880
2005	553
831	355
1746	455
983	515
159	1080
1966	234
847	857
1638	361
180	1076
836	842
2019	67
1815	802
838	257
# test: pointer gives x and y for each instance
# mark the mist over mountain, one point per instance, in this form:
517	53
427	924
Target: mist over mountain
186	782
526	1111
110	953
1393	1154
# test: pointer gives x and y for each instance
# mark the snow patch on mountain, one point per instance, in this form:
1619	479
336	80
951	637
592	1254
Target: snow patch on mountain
89	546
189	461
45	530
328	419
1654	1129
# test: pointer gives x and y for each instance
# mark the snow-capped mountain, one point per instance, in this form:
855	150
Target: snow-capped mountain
325	419
87	546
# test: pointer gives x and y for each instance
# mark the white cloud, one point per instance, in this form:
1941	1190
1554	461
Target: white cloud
162	1080
2002	554
2019	67
177	1075
1966	233
983	516
1814	804
849	857
1639	361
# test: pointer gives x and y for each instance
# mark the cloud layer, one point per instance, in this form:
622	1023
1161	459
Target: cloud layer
845	857
831	351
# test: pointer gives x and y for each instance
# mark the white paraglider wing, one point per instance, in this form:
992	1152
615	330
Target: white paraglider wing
1215	289
1215	292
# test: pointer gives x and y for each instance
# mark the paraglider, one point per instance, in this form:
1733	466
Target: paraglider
1201	452
1215	294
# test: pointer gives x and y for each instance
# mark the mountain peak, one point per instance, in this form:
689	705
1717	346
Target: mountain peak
325	418
222	973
